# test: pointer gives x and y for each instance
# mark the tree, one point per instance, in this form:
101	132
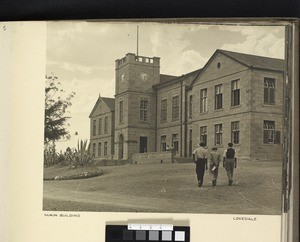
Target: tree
56	111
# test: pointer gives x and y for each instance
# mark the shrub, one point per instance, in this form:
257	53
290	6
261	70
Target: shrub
50	156
61	157
81	156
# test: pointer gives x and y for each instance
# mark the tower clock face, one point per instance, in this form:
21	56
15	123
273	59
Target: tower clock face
144	76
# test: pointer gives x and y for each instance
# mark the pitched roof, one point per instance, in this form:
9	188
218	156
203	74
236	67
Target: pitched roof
186	78
255	61
165	78
251	61
110	103
190	77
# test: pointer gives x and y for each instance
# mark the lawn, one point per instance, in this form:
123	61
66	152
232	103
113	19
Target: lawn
166	188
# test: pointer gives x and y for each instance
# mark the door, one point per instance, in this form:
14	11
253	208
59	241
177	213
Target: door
121	146
143	144
190	143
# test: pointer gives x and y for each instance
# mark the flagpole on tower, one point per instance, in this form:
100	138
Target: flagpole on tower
137	40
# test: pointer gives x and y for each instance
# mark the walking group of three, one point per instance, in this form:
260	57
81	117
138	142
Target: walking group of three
201	157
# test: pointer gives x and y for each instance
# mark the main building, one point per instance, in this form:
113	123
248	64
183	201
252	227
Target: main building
234	98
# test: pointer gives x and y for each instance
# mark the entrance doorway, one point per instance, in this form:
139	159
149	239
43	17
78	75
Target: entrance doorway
190	143
121	146
143	144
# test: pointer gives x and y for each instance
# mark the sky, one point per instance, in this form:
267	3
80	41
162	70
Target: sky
82	55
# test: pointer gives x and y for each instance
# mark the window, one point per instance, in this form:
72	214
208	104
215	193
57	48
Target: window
269	91
94	128
99	149
121	120
100	126
175	108
203	134
218	134
94	150
218	97
191	106
106	125
175	142
144	110
235	132
203	100
163	143
235	93
164	108
271	136
105	148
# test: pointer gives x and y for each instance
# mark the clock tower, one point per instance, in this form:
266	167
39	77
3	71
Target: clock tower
135	105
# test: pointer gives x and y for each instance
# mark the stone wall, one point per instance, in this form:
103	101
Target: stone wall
261	112
152	158
170	126
100	137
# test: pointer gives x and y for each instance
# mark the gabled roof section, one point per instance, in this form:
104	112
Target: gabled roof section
165	78
109	102
187	79
190	77
250	61
254	61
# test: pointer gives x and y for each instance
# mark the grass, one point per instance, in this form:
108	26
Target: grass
167	188
68	172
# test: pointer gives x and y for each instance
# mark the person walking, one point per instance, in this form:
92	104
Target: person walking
229	162
200	158
214	161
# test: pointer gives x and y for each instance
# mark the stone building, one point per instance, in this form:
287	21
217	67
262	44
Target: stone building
102	120
234	98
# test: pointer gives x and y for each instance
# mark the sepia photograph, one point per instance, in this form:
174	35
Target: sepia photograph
164	117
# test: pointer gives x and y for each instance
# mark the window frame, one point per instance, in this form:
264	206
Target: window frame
218	97
144	109
106	125
94	150
235	93
270	134
99	148
175	108
268	89
121	112
218	134
203	135
100	126
175	141
164	110
105	148
163	143
190	106
203	100
94	127
235	132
